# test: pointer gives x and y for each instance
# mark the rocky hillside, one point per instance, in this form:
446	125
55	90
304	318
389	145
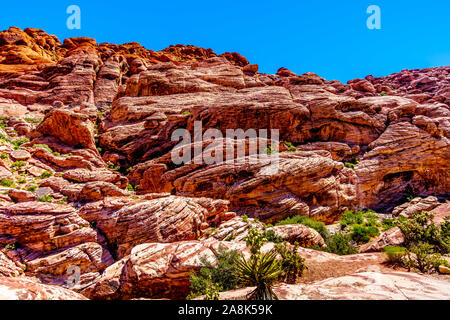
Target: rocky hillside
87	178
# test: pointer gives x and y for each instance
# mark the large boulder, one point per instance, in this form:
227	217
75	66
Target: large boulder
391	237
128	222
28	289
70	127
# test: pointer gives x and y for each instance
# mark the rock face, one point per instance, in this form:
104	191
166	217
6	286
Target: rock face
162	270
87	180
362	286
391	237
27	289
416	205
127	222
236	229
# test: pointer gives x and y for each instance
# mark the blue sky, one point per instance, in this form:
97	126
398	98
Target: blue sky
326	37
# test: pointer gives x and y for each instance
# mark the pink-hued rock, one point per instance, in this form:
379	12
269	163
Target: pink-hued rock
128	222
391	237
414	206
304	235
22	288
70	127
44	226
156	270
362	286
440	212
236	229
8	268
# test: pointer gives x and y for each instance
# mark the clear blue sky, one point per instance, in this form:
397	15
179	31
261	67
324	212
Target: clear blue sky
326	37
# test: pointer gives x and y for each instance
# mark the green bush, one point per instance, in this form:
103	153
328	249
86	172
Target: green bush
292	265
395	254
32	188
45	198
46	174
220	277
424	258
270	150
349	165
7	183
17	165
362	234
306	221
18	142
11	246
419	228
290	147
350	217
340	243
130	187
391	223
425	242
271	237
32	120
4	155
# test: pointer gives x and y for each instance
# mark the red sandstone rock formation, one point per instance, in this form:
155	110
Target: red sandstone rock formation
88	179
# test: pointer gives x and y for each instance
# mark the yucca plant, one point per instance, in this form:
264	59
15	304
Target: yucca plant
262	270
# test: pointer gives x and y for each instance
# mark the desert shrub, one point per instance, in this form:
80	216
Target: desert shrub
113	167
7	183
395	254
17	165
270	150
130	187
350	217
11	246
362	234
21	180
445	231
292	265
424	258
349	165
20	141
419	228
290	147
4	155
262	271
46	174
387	224
425	242
340	243
271	237
32	188
306	221
221	276
46	147
32	120
362	225
45	198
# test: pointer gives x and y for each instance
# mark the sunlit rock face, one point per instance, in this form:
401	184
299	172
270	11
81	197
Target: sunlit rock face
88	179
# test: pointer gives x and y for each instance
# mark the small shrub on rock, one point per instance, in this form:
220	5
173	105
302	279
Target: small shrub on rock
395	254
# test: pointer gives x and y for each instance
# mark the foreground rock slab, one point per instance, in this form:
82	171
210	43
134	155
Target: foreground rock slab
28	289
362	286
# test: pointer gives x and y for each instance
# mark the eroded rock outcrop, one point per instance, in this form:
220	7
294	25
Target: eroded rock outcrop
361	286
97	188
27	289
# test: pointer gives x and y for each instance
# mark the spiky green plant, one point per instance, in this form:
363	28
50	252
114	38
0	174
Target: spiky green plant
262	271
